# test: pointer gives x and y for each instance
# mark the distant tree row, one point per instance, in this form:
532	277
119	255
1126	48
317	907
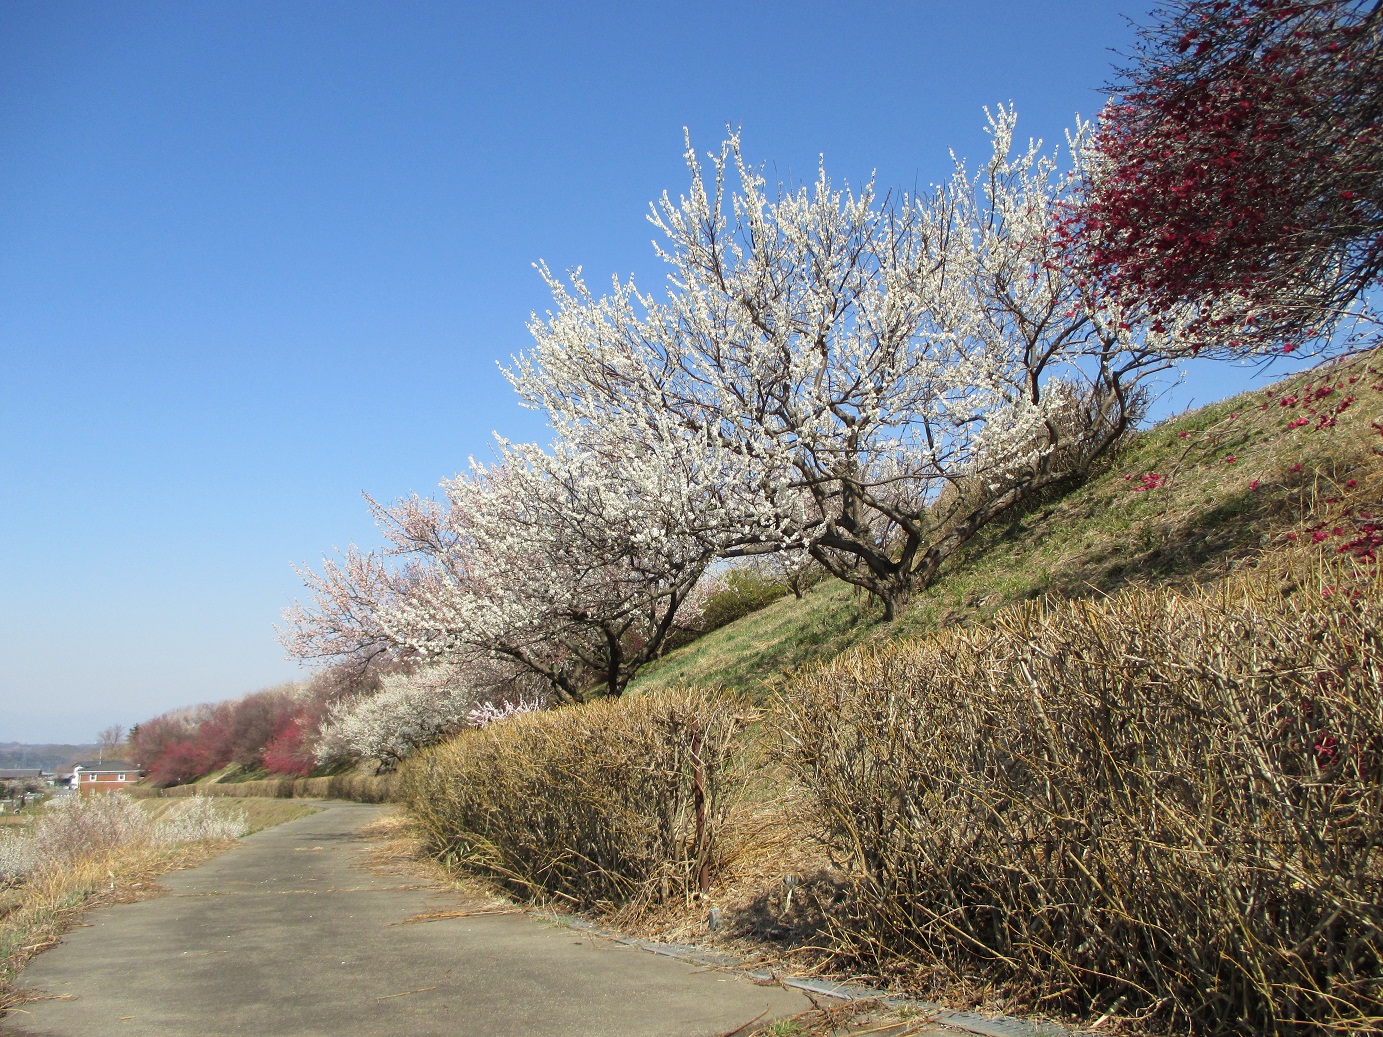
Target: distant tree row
274	730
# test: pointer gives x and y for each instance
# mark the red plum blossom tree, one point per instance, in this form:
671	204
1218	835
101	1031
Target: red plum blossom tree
1240	172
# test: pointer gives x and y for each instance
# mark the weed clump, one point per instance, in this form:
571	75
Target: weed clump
197	819
71	828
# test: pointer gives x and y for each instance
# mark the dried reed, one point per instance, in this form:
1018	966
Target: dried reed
362	788
596	805
1165	805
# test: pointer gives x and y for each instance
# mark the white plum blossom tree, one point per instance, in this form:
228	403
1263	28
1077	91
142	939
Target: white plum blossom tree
344	623
869	381
488	713
410	711
571	563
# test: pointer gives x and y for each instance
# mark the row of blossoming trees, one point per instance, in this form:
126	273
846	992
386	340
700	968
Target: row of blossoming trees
867	381
342	714
276	729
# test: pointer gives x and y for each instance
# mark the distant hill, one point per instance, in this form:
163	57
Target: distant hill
46	757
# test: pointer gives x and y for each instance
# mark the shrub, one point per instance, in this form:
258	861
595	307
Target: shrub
740	592
196	819
597	804
76	825
1166	802
362	788
73	827
16	855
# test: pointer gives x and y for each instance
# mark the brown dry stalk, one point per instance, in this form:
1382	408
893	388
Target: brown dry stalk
600	805
1164	805
437	916
404	993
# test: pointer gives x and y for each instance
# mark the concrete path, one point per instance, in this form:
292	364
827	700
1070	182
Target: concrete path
288	935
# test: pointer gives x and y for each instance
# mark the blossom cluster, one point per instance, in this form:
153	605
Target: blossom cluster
410	711
488	713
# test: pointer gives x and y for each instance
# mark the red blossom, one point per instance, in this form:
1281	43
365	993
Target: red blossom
1243	170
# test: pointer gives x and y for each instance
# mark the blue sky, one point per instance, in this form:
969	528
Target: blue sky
258	257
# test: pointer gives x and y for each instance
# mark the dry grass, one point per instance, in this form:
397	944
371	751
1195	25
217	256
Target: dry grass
399	848
607	804
1163	805
362	788
853	1019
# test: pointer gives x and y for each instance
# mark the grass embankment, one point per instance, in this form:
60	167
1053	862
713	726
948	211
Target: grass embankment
260	813
1182	503
35	912
236	773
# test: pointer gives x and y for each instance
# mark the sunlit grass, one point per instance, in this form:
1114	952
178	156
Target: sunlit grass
1206	517
260	813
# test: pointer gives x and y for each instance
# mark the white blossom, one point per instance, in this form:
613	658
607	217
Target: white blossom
870	380
488	713
410	711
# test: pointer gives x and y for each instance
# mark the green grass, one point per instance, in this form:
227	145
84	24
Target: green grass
1205	519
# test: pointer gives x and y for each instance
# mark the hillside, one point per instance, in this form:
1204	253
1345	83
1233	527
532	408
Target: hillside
19	755
1184	501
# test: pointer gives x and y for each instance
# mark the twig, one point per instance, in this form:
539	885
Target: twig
744	1026
405	993
1118	1003
437	916
909	1027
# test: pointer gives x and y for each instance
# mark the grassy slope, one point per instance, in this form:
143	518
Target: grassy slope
1203	519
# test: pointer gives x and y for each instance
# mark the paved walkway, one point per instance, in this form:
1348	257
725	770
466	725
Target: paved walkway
287	935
